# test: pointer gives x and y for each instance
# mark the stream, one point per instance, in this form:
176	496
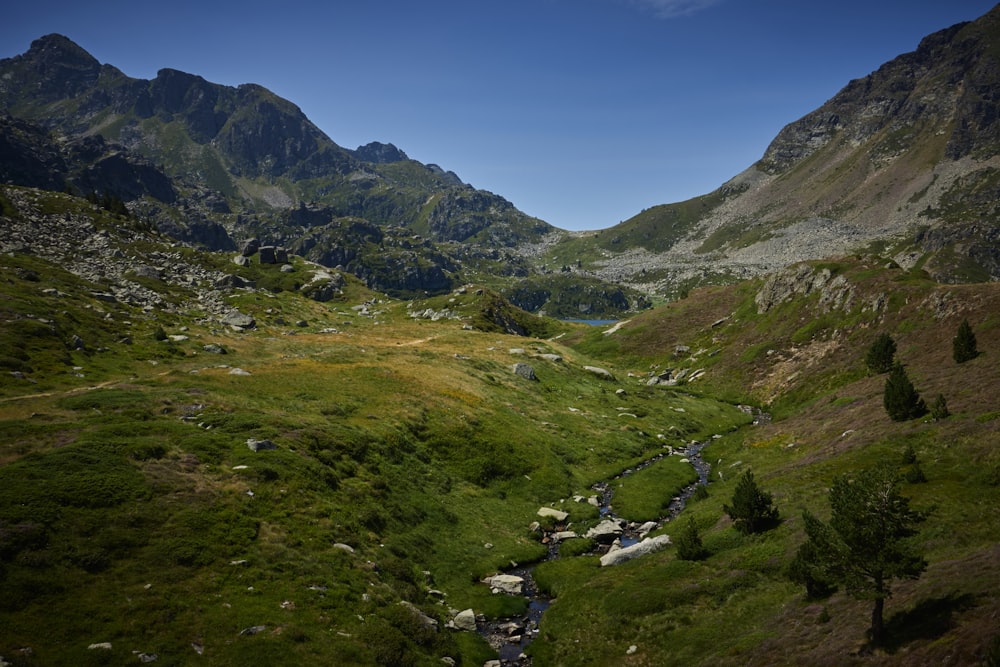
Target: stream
511	636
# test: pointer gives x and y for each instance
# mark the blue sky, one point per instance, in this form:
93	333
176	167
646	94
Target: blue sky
580	112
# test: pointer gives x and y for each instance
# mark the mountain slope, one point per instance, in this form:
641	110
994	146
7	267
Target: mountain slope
240	159
314	479
904	160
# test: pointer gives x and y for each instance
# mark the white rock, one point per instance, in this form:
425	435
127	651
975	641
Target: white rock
647	546
465	620
558	515
506	583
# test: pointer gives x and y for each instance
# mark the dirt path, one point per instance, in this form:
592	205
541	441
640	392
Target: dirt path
77	390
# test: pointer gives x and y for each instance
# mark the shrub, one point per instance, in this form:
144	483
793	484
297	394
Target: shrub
881	354
939	409
901	400
752	510
689	546
964	343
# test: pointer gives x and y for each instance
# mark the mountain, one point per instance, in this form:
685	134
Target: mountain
904	162
241	162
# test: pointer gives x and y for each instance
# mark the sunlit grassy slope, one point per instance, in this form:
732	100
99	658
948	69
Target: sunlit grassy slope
133	512
409	461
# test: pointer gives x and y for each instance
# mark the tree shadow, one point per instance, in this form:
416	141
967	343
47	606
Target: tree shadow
928	620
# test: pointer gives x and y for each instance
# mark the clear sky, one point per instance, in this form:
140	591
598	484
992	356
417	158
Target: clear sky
580	112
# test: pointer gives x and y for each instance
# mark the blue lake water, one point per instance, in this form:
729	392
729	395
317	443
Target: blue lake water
593	323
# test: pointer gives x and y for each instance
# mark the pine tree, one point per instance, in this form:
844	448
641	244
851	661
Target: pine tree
689	546
939	408
752	510
901	400
881	354
864	546
964	343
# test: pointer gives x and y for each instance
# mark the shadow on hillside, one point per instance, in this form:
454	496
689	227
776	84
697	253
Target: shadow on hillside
928	620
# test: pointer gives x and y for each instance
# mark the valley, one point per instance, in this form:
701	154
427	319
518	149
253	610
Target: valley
266	400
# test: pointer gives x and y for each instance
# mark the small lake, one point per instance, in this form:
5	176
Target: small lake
593	323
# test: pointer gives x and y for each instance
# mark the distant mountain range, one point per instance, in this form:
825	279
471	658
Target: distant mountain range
902	163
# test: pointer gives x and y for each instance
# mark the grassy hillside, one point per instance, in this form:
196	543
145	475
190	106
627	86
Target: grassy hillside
132	510
805	363
403	460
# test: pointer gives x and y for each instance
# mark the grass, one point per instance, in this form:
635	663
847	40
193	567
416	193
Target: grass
132	510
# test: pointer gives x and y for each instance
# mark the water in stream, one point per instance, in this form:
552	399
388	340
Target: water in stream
510	637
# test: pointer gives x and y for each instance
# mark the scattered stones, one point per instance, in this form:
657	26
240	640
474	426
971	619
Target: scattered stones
148	657
214	348
238	371
343	547
253	630
100	646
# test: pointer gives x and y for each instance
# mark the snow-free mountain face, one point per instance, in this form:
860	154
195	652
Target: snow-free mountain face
903	162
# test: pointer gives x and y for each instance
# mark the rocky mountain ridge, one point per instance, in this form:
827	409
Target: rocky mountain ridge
211	165
904	161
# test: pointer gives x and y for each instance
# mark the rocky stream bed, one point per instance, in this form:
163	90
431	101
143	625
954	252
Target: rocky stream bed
511	636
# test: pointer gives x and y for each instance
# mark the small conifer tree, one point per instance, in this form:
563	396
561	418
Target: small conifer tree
689	546
964	343
752	510
901	400
939	408
881	354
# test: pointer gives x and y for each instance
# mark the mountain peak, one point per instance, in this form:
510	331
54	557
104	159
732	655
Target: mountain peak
59	48
380	153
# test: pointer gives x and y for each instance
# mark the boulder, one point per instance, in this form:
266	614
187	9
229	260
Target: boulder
250	247
525	371
506	583
647	528
606	531
647	546
268	254
260	445
465	620
238	321
602	373
563	535
558	515
420	616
